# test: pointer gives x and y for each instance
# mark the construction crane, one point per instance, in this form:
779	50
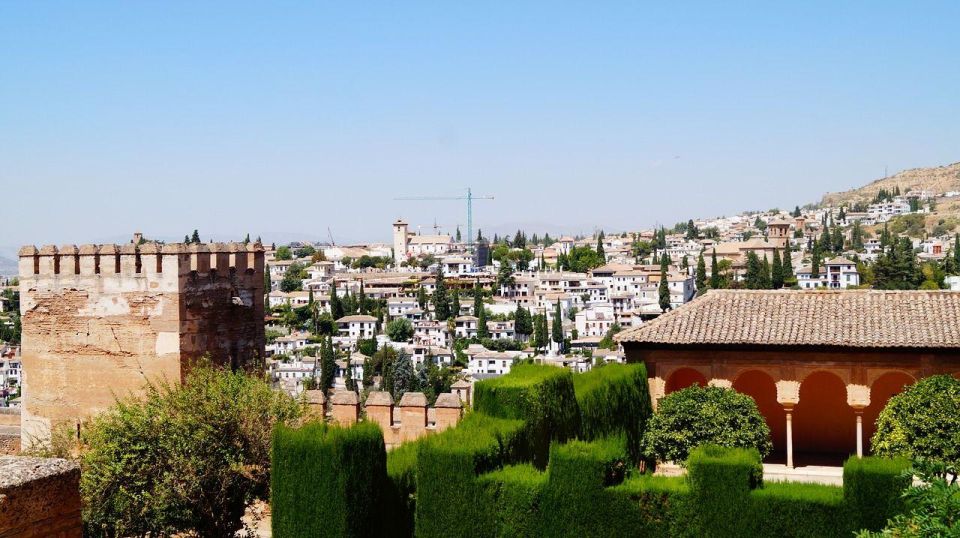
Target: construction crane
469	198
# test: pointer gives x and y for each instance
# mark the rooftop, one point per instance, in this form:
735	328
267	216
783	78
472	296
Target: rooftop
847	318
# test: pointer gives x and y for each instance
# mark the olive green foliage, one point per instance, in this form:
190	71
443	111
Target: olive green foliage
922	422
329	481
514	495
615	399
795	509
873	490
184	458
543	396
697	416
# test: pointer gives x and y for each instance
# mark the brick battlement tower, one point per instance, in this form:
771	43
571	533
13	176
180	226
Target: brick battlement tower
99	321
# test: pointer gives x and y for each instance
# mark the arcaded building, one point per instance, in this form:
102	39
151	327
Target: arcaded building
821	365
100	321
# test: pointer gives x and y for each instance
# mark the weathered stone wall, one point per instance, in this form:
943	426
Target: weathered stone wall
101	321
414	419
39	497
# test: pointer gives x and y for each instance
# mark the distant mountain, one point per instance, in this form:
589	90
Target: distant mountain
8	267
939	179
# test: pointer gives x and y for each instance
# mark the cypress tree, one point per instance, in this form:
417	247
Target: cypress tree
482	330
701	276
455	304
441	303
328	365
815	263
752	278
765	274
956	249
362	304
664	288
195	238
348	377
422	297
714	271
477	299
336	305
786	271
776	272
246	240
557	329
600	252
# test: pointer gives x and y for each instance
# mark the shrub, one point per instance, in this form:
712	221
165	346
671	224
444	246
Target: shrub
449	500
697	416
615	399
543	396
781	509
720	482
578	473
934	506
873	489
514	495
400	330
329	480
914	423
183	458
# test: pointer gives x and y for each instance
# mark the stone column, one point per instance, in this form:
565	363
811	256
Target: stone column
788	396
722	383
413	416
346	407
449	410
858	397
658	388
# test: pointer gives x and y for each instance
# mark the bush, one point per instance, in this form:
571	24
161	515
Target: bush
449	500
720	483
615	399
697	416
400	330
873	489
183	458
329	480
543	396
934	506
914	423
781	509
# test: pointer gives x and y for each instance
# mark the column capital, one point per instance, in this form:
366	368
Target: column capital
722	383
788	392
858	396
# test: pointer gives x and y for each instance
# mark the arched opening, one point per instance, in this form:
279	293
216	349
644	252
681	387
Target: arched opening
886	386
824	426
763	389
683	378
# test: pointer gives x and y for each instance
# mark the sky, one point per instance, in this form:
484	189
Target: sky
284	119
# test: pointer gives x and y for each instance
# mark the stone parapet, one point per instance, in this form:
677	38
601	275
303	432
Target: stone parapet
412	414
39	497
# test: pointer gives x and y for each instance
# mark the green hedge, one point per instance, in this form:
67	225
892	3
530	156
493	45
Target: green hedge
513	496
720	483
784	509
873	489
329	481
543	396
449	499
615	398
653	506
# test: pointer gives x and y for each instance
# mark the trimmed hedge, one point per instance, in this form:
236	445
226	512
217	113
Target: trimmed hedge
329	481
513	496
873	489
783	509
720	483
615	398
543	396
449	499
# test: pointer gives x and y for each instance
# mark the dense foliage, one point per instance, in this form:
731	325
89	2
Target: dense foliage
184	458
922	422
933	506
615	399
697	416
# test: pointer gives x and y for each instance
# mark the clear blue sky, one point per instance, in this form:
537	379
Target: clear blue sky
291	117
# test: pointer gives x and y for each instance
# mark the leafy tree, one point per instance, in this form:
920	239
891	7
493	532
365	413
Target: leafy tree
504	275
692	231
283	253
367	346
523	324
922	422
328	365
400	330
607	342
441	303
697	416
305	251
701	276
293	278
151	462
663	289
896	267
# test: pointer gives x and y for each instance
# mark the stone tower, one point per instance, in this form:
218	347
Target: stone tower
778	232
99	321
400	239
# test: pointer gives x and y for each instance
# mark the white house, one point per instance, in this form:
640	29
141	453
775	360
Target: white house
358	327
838	273
595	321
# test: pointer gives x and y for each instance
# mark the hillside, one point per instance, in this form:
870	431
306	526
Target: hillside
938	179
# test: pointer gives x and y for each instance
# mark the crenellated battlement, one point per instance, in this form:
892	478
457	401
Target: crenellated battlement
149	258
